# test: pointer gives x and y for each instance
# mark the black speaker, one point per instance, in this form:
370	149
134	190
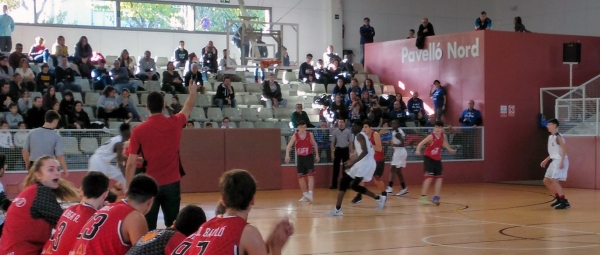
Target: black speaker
572	52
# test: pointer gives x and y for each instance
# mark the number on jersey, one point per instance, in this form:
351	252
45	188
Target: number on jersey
90	232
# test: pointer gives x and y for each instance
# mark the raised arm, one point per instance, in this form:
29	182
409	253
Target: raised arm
189	102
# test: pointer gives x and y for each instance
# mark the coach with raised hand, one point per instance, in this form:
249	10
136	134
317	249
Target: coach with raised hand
157	140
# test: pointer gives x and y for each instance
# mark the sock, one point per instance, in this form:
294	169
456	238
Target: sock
383	193
310	192
403	185
378	197
390	183
338	207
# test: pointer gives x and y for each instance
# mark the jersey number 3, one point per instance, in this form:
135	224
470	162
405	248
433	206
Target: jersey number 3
59	231
90	232
185	246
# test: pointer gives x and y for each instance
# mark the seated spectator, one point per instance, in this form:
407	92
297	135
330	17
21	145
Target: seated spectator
335	72
13	118
226	123
25	103
5	97
67	104
306	69
109	108
175	107
17	86
127	62
6	71
100	76
34	118
6	140
519	27
340	89
59	48
366	102
83	55
329	56
180	56
125	101
36	52
172	81
323	141
225	94
120	78
208	125
356	114
354	87
210	57
483	22
65	77
20	136
27	74
300	115
147	68
352	99
189	124
193	60
339	108
398	113
79	119
415	105
411	34
226	67
422	118
85	68
272	93
44	79
370	88
14	59
438	93
375	114
195	77
322	73
62	122
470	117
425	29
49	98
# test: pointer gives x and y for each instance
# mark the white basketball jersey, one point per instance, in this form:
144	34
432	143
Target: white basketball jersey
370	150
554	149
107	150
395	140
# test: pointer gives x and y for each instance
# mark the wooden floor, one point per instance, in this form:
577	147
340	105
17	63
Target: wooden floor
472	219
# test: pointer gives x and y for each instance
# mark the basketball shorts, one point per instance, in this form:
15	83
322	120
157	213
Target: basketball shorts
399	157
379	167
555	172
96	163
432	167
305	165
364	168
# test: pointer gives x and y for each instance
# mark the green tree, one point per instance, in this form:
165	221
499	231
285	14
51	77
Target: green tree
148	15
13	4
218	17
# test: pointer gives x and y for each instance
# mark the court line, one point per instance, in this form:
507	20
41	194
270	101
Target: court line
501	231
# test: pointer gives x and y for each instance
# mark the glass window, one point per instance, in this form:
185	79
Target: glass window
214	19
76	12
21	11
157	16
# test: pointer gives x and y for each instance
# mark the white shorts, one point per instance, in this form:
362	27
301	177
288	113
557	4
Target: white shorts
364	168
96	163
554	172
399	157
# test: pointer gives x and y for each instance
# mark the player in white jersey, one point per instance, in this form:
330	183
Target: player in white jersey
110	150
358	169
557	170
398	159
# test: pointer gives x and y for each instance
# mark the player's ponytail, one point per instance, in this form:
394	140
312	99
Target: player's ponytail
65	190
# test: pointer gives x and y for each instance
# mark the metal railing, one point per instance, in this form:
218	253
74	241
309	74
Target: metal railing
577	110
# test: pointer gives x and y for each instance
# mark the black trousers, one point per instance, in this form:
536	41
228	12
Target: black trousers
340	155
168	198
6	44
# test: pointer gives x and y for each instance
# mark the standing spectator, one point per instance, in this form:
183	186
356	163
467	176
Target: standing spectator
7	26
25	103
483	22
210	55
339	108
439	99
127	62
44	79
411	34
126	101
469	118
341	140
306	69
195	77
109	108
67	104
120	78
158	140
180	56
13	118
79	119
49	98
415	106
367	32
519	27
14	59
37	51
45	141
147	68
323	141
101	76
62	123
300	115
65	77
227	67
172	81
425	29
27	74
6	71
226	123
225	94
5	97
34	118
272	93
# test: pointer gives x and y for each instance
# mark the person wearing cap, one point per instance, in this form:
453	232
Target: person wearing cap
100	76
44	78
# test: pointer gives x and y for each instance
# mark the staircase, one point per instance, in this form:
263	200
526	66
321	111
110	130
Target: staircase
578	110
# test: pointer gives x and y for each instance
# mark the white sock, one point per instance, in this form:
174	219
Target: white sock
310	192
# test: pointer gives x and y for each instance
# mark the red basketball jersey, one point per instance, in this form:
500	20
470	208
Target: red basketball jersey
303	146
218	236
68	227
101	234
379	156
434	149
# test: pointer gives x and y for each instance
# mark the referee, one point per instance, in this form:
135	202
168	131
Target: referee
45	141
340	149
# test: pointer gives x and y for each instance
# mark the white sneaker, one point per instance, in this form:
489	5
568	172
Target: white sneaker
389	190
381	203
308	197
335	212
402	192
303	199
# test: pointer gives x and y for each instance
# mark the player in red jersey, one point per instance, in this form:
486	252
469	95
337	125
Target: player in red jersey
95	190
432	161
112	229
35	211
230	233
304	142
164	241
375	140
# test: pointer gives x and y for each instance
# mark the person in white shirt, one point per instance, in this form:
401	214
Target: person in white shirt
19	137
559	165
226	67
6	141
111	149
227	123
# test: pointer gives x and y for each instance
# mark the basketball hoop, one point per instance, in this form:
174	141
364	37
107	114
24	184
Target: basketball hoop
267	63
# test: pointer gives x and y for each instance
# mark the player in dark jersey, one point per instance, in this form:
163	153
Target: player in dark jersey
230	233
432	161
164	241
95	190
112	229
35	211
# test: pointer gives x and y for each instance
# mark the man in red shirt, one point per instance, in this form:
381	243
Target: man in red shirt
95	190
157	141
115	227
230	232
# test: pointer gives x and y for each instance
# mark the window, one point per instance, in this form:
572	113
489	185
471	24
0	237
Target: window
214	19
156	16
21	11
76	12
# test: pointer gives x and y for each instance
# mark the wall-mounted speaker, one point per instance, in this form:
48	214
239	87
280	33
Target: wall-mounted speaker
572	52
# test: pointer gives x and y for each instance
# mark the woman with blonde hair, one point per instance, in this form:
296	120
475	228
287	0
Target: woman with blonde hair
35	211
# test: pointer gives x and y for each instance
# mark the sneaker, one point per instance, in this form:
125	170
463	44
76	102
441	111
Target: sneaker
357	199
381	203
564	204
436	200
389	190
402	192
303	199
424	200
335	212
309	197
556	202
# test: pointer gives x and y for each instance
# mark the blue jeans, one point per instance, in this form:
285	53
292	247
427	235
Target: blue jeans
133	111
282	103
74	87
130	86
262	73
219	102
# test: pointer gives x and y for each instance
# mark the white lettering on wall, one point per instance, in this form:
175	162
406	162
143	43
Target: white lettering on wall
435	53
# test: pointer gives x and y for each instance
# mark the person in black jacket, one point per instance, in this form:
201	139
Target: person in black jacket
65	78
44	79
367	32
272	92
210	57
225	94
425	29
306	69
196	77
79	119
180	56
34	118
